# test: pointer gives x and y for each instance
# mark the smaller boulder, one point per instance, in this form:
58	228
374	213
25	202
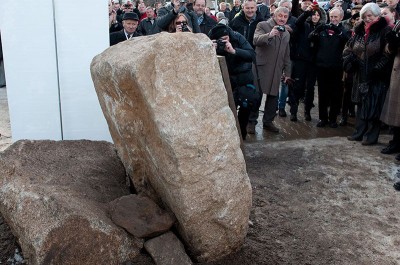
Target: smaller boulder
167	250
140	216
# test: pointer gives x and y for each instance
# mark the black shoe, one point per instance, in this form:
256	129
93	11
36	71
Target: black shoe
343	121
322	123
333	124
397	157
352	138
396	186
390	149
366	142
282	113
293	117
270	126
307	116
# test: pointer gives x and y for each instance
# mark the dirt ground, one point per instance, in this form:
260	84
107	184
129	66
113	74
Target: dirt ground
315	200
322	201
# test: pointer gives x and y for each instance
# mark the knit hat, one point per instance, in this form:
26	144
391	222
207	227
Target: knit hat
218	31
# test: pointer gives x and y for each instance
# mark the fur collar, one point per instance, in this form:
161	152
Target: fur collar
376	27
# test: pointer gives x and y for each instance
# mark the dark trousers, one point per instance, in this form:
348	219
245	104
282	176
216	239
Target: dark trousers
271	103
253	117
347	104
243	118
330	91
366	130
304	74
396	137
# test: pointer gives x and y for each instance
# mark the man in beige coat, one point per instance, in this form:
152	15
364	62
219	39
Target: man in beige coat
271	40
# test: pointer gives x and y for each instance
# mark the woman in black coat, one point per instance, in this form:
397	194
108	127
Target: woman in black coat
365	56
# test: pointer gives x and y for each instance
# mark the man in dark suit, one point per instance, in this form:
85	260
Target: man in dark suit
205	22
130	23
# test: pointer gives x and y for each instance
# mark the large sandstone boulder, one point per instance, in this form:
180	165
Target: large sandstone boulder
167	110
55	195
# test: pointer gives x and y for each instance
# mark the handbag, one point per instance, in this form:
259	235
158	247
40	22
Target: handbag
246	96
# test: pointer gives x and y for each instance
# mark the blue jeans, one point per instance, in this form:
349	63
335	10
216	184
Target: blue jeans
283	94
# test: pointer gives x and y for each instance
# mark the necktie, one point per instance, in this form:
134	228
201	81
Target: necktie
129	36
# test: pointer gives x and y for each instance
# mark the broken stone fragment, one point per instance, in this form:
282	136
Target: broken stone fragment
167	250
140	216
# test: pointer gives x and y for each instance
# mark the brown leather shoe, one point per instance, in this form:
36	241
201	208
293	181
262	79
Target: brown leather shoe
270	126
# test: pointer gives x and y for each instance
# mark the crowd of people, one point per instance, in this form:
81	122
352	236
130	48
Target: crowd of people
350	48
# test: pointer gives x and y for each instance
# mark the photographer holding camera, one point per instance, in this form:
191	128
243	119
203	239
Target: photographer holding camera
179	24
168	14
271	40
239	56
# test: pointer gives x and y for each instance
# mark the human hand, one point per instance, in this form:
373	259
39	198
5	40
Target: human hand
228	47
274	32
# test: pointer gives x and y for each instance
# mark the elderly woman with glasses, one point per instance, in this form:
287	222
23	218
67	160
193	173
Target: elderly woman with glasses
365	56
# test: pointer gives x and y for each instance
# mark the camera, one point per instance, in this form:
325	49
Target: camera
281	28
185	27
220	45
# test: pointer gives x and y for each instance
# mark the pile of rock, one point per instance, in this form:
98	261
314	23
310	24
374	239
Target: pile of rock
68	202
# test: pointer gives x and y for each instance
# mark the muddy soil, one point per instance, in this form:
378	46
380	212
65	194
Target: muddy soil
315	200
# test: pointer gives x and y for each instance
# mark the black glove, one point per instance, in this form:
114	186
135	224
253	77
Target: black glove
320	28
335	29
350	63
375	74
393	38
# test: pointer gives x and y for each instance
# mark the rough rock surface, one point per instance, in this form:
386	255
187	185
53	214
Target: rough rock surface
176	134
140	216
167	250
54	196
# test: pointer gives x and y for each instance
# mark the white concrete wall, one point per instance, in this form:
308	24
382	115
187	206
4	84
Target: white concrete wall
47	53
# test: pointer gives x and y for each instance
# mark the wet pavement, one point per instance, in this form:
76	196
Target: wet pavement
301	129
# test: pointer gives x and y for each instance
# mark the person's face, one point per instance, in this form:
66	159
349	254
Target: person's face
237	3
368	17
338	5
116	6
281	18
335	17
142	8
272	9
178	23
207	11
222	7
315	18
391	3
287	5
249	9
305	4
199	7
385	12
130	25
150	13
